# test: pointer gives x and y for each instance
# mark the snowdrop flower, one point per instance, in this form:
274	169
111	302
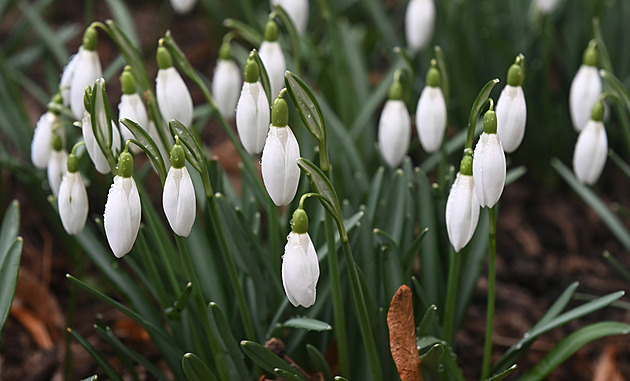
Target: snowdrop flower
131	107
297	11
252	110
591	148
546	6
431	112
272	57
41	146
462	207
512	111
226	82
73	200
173	97
280	171
489	163
122	210
178	198
300	267
419	22
86	68
104	131
394	127
585	89
66	78
56	164
183	6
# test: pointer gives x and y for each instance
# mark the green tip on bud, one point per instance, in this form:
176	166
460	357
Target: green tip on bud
490	122
73	163
396	90
90	38
433	77
299	222
251	72
164	59
178	156
127	82
125	164
590	54
465	167
597	112
271	31
57	144
225	51
280	113
515	75
58	99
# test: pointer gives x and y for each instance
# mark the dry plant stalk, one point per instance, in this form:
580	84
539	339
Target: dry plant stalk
402	335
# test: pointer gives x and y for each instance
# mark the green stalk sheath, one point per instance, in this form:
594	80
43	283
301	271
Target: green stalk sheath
362	312
451	295
487	352
338	306
202	306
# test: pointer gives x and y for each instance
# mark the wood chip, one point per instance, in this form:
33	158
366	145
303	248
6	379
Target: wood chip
402	335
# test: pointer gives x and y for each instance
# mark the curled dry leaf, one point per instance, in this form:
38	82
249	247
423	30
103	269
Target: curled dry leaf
402	335
607	368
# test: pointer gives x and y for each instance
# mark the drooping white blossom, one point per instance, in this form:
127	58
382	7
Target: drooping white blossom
226	83
172	94
419	23
431	113
57	163
122	209
546	6
178	198
131	107
73	200
462	207
297	11
183	6
489	166
591	149
273	58
585	89
252	111
66	79
280	171
394	127
41	146
512	111
86	69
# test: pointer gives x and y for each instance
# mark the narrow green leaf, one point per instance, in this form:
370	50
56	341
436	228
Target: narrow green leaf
96	355
190	144
429	320
9	268
10	228
621	269
603	57
608	217
475	111
124	18
148	145
308	324
248	33
267	359
617	86
225	330
174	311
44	32
131	53
319	362
619	161
289	376
307	105
571	344
504	374
385	239
322	185
441	64
195	369
431	359
409	254
91	378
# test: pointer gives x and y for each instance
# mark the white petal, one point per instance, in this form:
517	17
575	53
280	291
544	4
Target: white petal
73	203
419	21
41	146
546	6
585	90
179	201
66	78
183	6
489	169
226	83
300	270
431	118
122	215
86	71
590	153
511	117
394	132
297	11
56	169
252	117
272	57
462	211
131	107
280	171
173	96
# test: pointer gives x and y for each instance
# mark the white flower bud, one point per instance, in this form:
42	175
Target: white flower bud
489	169
87	69
462	211
300	270
546	6
179	201
272	57
511	117
419	22
57	163
92	147
585	90
297	11
131	107
590	152
173	97
280	171
252	117
431	118
41	146
394	132
225	85
183	6
66	79
122	215
73	203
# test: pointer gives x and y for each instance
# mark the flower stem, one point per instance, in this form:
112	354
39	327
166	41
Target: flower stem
451	295
487	352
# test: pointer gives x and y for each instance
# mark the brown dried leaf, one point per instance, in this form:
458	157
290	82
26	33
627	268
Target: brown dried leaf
402	335
607	368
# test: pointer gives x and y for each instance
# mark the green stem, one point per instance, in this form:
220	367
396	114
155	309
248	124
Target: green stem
451	295
487	352
360	307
